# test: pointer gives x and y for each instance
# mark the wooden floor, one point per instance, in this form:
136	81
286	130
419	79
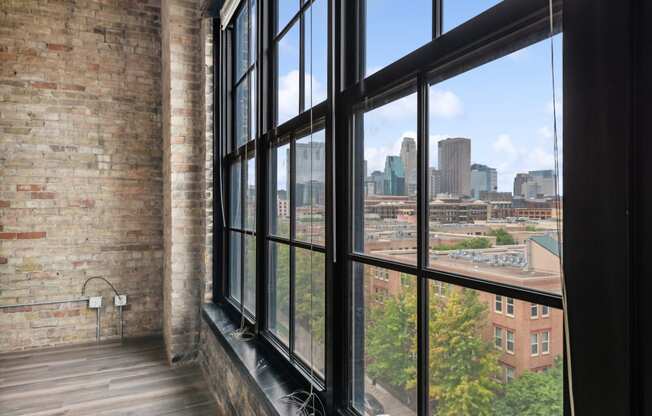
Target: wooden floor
101	380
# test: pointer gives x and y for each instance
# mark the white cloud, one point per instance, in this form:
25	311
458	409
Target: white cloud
288	93
445	104
545	132
505	145
376	156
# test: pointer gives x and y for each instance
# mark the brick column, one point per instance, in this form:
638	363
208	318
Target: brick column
184	171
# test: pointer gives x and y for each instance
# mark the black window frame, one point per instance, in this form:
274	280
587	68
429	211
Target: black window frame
506	27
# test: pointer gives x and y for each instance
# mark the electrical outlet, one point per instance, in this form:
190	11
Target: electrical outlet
95	302
120	300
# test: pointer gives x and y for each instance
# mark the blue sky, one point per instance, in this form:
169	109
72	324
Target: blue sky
504	107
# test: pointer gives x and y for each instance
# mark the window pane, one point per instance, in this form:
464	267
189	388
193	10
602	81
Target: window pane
279	291
384	341
253	40
459	11
316	61
241	42
250	208
235	266
309	307
467	364
287	94
280	191
235	212
310	188
494	214
241	127
393	32
250	274
286	11
385	181
252	105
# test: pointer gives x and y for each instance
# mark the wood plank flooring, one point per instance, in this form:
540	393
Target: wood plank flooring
110	379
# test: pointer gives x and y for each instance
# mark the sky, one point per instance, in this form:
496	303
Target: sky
504	107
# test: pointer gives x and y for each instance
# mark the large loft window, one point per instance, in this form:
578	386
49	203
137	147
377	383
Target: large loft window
454	179
301	56
241	162
296	285
408	223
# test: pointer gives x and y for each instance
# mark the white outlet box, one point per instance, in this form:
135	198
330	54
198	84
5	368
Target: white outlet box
120	300
95	302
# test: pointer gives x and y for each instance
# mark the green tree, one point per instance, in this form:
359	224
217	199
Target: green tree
502	237
466	244
462	364
534	394
390	339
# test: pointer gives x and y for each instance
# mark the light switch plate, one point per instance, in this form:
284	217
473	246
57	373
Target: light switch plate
120	300
95	302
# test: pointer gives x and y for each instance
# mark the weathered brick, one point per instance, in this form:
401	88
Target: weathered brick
31	235
7	236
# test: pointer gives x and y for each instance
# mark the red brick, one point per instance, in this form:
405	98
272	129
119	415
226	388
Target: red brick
58	47
185	168
3	260
4	204
31	235
45	85
7	236
29	188
93	67
73	87
43	195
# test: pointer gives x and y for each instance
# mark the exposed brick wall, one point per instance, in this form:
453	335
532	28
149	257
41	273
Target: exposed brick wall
186	185
226	380
81	165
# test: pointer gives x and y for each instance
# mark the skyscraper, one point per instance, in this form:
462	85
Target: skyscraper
394	176
305	180
434	182
519	180
540	183
455	165
409	159
483	178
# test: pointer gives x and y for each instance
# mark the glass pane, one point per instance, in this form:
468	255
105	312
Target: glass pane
316	56
385	181
252	104
280	191
459	11
241	44
241	127
309	307
310	188
286	11
253	40
470	363
235	265
287	93
250	208
250	274
384	341
235	212
393	32
493	213
279	291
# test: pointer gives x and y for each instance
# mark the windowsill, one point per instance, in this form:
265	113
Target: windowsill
260	371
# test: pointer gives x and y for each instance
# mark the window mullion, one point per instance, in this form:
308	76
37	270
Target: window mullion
422	246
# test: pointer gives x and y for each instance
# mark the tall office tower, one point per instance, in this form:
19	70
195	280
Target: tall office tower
304	179
378	179
394	176
540	183
455	165
483	178
434	182
409	159
519	180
